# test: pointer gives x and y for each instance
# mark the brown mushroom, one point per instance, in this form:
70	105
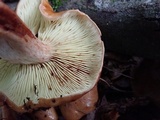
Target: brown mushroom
80	107
47	58
7	113
47	114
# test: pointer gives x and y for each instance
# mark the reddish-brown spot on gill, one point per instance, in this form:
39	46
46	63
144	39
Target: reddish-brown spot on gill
52	74
49	87
41	65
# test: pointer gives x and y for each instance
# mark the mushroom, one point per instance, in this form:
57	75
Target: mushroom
7	113
80	107
47	58
47	114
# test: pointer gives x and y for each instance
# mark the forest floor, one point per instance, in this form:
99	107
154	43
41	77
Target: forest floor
117	100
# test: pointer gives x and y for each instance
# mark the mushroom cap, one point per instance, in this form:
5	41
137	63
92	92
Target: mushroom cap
73	68
77	109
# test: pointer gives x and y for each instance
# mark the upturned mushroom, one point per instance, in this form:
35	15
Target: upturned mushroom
47	58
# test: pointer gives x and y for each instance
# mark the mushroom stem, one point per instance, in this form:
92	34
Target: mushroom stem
17	43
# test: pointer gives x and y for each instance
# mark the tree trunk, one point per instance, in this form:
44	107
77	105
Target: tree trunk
128	26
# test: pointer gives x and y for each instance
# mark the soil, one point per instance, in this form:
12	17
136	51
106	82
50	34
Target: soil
120	88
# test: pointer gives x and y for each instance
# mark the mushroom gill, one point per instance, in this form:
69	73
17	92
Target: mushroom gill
71	56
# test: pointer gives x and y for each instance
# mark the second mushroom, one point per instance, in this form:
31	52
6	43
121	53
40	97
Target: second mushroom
48	59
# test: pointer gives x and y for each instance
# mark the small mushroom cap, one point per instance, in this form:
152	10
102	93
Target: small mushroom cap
77	109
48	114
74	65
